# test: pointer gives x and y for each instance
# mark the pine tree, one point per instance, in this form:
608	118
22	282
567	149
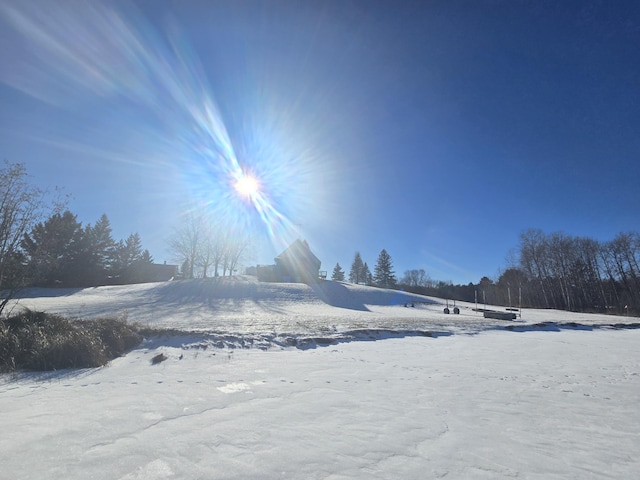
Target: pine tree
384	276
355	275
49	246
140	268
101	246
146	257
338	273
91	255
367	278
126	260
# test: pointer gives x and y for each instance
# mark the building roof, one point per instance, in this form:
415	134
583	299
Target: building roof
297	251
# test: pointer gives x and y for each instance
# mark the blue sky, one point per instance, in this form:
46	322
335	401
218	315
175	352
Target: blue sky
437	130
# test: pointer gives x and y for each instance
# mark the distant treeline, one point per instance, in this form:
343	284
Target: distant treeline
555	271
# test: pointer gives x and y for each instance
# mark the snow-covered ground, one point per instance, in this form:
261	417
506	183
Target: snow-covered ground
244	306
471	400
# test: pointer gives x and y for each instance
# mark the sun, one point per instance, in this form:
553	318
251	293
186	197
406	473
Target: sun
247	185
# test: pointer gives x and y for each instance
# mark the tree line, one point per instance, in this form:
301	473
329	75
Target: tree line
566	272
60	251
578	273
415	281
383	275
556	271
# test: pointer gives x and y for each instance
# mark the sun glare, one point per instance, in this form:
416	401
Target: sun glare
247	185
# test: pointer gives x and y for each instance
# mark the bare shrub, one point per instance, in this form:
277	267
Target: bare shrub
40	341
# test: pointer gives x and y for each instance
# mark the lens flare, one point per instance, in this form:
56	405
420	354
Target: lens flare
247	185
94	53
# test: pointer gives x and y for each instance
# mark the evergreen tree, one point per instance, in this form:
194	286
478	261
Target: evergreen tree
146	257
133	245
119	260
127	259
102	244
60	252
367	278
129	251
139	270
355	275
384	276
338	273
48	248
91	255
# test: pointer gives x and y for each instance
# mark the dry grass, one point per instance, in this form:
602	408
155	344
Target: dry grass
40	341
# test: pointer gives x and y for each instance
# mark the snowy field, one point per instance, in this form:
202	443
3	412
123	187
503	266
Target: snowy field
436	396
243	306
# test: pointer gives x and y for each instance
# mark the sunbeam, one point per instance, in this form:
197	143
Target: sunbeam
94	52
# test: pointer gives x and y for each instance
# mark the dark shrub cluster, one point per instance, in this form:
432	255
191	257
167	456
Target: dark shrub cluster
40	341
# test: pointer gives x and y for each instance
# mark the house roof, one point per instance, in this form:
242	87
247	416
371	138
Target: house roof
298	250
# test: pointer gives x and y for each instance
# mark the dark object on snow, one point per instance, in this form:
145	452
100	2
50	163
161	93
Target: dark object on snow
161	357
456	310
446	310
499	315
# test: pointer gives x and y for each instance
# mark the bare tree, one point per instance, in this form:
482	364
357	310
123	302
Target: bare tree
208	250
237	247
415	278
21	206
186	242
578	273
621	256
202	245
534	261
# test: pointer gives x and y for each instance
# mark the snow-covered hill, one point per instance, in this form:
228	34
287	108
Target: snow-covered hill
242	306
